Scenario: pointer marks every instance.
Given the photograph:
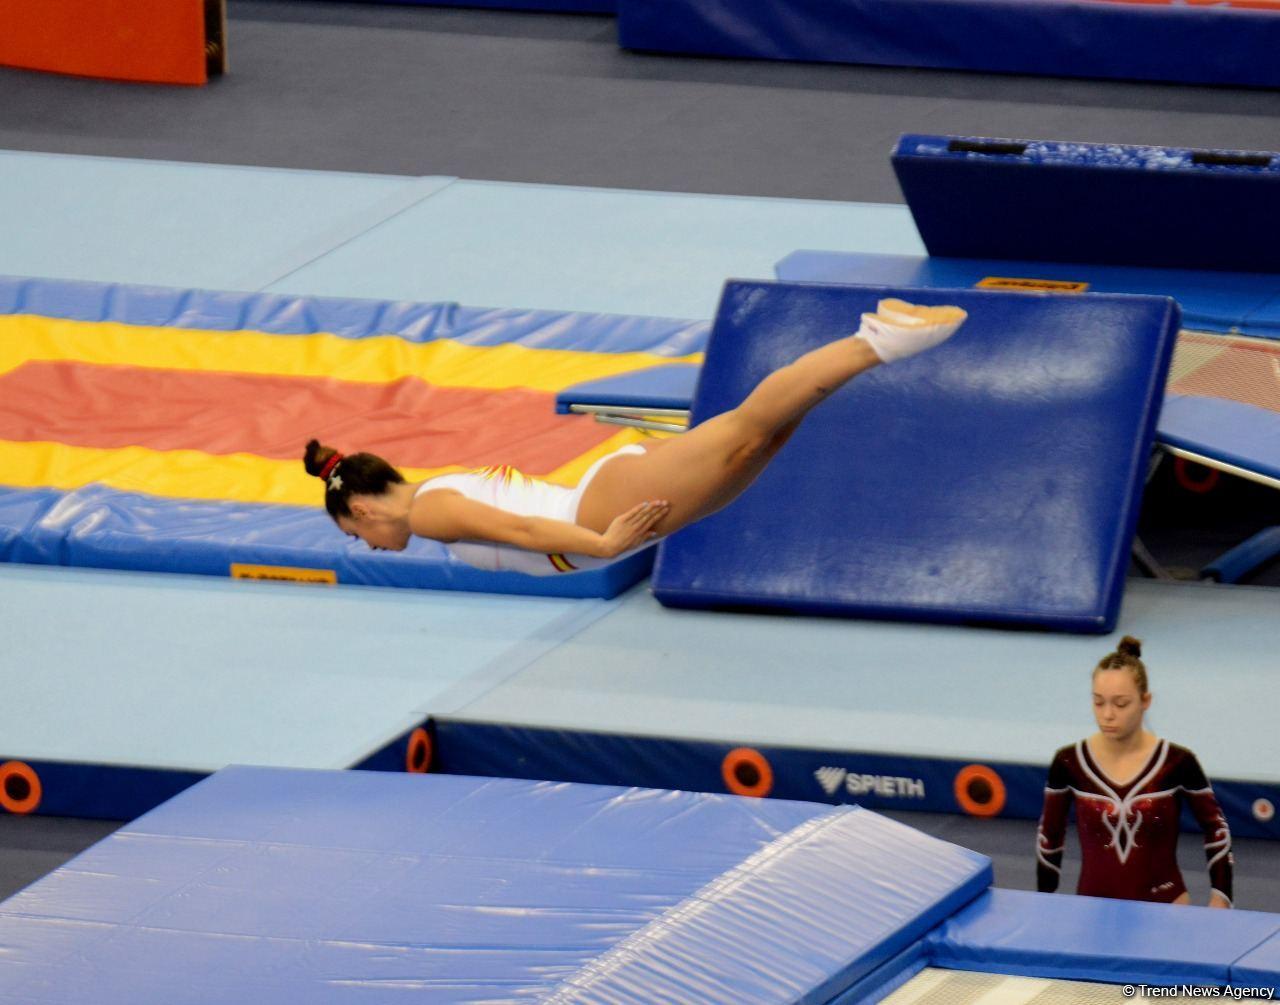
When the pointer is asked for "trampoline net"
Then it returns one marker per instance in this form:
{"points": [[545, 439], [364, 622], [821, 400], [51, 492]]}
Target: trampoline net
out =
{"points": [[962, 987], [1229, 367]]}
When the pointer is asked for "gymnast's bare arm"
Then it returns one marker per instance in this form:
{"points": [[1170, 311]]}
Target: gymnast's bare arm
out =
{"points": [[447, 516]]}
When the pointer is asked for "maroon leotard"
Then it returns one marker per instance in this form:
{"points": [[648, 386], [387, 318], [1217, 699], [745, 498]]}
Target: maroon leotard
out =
{"points": [[1129, 833]]}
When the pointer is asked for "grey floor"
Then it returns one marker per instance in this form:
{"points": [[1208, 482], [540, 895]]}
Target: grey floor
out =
{"points": [[522, 96], [550, 98]]}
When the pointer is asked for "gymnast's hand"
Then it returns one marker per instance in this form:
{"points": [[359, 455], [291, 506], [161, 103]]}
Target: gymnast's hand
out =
{"points": [[633, 528]]}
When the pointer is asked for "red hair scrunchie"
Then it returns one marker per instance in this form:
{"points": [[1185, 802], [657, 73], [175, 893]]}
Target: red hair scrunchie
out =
{"points": [[329, 465]]}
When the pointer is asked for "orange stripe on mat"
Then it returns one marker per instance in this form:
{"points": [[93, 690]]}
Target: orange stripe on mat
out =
{"points": [[411, 423]]}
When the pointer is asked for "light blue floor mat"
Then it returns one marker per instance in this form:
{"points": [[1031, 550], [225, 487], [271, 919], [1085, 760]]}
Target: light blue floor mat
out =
{"points": [[195, 672]]}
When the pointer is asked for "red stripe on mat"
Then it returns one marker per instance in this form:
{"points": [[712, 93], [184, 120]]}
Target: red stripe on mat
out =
{"points": [[409, 422]]}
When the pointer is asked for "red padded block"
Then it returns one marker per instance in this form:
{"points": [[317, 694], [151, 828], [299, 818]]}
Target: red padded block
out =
{"points": [[160, 41]]}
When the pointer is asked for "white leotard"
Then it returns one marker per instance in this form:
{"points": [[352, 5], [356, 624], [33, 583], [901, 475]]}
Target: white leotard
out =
{"points": [[508, 489]]}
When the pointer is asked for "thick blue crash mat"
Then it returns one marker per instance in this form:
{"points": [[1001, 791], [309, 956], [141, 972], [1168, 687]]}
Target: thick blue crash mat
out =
{"points": [[1163, 207], [269, 885], [1094, 939], [1246, 303], [162, 430], [995, 479]]}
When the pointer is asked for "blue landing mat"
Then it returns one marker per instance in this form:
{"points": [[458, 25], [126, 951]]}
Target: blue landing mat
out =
{"points": [[320, 887], [107, 526], [995, 479], [1093, 939]]}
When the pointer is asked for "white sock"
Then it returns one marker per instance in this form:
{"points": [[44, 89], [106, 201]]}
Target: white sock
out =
{"points": [[893, 335]]}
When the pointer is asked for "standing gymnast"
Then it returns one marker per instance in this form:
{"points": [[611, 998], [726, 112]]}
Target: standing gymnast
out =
{"points": [[499, 519], [1129, 787]]}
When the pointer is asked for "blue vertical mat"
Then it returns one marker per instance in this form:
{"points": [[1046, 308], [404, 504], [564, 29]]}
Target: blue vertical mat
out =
{"points": [[995, 479]]}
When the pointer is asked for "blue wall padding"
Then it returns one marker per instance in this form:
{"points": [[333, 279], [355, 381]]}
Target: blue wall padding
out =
{"points": [[1247, 436], [669, 386], [1090, 202], [270, 885], [995, 479], [103, 528], [1210, 301], [1260, 967], [467, 747], [285, 314], [102, 791], [877, 781], [1092, 939], [1126, 40], [106, 528]]}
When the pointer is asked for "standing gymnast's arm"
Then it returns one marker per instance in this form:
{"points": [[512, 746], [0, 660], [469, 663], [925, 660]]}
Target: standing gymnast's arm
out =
{"points": [[1217, 835], [1051, 833]]}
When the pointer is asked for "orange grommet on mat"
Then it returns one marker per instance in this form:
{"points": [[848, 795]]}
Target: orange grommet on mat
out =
{"points": [[746, 772], [979, 790], [417, 756], [20, 788], [157, 41]]}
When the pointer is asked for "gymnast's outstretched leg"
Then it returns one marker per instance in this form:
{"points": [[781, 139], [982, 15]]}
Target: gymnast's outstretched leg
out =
{"points": [[706, 468]]}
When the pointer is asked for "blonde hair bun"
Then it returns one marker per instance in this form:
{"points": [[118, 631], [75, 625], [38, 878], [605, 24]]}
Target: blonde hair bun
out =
{"points": [[1130, 646]]}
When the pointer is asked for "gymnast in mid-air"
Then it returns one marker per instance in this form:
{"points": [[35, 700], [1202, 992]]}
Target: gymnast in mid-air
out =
{"points": [[499, 519]]}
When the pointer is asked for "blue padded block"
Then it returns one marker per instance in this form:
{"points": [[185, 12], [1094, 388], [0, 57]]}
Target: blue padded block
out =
{"points": [[1260, 967], [1228, 431], [657, 387], [1061, 37], [995, 479], [1091, 202], [1210, 301], [1092, 939], [269, 885]]}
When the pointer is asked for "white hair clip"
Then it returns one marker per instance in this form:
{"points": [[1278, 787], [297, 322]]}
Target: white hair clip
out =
{"points": [[335, 482]]}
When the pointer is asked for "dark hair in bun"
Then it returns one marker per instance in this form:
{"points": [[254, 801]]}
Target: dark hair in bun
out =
{"points": [[347, 475], [1128, 656]]}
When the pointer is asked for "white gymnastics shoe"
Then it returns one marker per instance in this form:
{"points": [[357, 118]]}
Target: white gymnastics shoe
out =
{"points": [[898, 329]]}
